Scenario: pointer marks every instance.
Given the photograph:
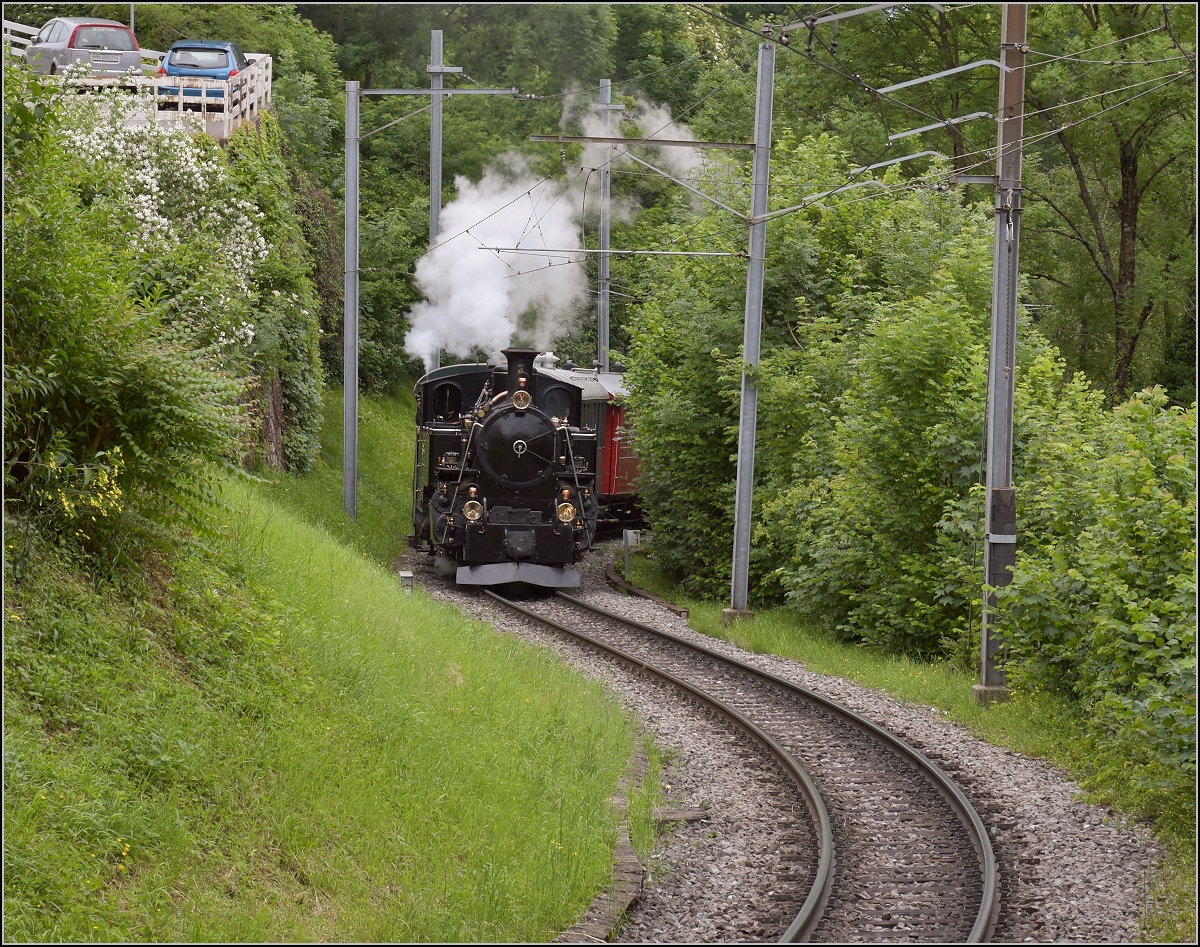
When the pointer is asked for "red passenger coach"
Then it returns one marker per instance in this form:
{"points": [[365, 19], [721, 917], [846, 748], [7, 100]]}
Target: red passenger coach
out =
{"points": [[616, 465]]}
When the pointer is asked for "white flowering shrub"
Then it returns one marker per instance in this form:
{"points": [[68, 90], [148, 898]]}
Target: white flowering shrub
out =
{"points": [[185, 211], [114, 419], [214, 244]]}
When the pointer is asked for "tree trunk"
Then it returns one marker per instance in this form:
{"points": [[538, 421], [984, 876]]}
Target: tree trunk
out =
{"points": [[273, 423], [1128, 325]]}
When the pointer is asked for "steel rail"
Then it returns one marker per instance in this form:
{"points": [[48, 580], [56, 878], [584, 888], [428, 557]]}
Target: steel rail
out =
{"points": [[989, 908], [810, 913]]}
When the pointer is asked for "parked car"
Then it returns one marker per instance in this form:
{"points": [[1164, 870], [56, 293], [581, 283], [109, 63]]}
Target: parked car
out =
{"points": [[109, 46], [203, 59]]}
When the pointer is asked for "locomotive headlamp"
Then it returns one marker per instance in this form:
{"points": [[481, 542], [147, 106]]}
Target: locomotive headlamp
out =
{"points": [[566, 512], [473, 510], [522, 400]]}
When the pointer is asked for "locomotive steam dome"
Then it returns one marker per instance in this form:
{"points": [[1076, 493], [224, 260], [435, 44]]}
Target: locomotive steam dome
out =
{"points": [[516, 448]]}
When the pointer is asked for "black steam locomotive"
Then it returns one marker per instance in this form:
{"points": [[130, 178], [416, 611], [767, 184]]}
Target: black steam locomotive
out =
{"points": [[518, 467]]}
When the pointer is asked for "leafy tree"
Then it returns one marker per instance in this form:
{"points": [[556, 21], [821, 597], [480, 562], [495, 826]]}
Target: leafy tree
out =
{"points": [[1112, 225], [1110, 172], [831, 271], [665, 46], [823, 78]]}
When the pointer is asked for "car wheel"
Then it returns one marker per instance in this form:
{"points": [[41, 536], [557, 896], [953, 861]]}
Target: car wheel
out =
{"points": [[53, 68]]}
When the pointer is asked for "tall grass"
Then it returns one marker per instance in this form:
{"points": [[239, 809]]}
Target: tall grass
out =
{"points": [[386, 440], [490, 761], [277, 743]]}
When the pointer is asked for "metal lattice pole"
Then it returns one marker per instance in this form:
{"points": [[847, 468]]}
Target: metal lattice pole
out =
{"points": [[435, 149], [350, 320], [752, 337], [1000, 530], [602, 305]]}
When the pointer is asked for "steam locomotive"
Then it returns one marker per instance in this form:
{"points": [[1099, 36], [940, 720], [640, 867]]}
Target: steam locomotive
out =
{"points": [[520, 467]]}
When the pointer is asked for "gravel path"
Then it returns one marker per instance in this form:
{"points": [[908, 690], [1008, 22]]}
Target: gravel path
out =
{"points": [[1070, 872]]}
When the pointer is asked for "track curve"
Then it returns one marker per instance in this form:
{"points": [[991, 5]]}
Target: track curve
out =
{"points": [[904, 833]]}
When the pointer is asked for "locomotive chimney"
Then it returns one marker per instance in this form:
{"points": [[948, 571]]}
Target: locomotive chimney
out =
{"points": [[520, 362]]}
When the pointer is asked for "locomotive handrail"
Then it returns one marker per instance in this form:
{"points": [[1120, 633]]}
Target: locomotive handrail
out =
{"points": [[454, 500], [578, 488]]}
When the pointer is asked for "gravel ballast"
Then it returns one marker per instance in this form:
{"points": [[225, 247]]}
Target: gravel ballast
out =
{"points": [[1069, 871]]}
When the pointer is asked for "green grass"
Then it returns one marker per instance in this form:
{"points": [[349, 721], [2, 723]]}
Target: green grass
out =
{"points": [[386, 440], [1039, 725], [644, 798], [283, 745], [490, 791]]}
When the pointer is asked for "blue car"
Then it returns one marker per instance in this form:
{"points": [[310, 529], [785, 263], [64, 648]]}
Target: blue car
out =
{"points": [[203, 59]]}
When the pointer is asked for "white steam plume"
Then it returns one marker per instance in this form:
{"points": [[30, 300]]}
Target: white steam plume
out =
{"points": [[476, 298], [652, 121], [656, 122]]}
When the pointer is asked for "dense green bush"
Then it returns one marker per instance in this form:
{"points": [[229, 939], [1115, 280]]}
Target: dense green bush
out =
{"points": [[864, 543], [868, 501], [286, 345], [159, 312], [1103, 600], [832, 272], [109, 414]]}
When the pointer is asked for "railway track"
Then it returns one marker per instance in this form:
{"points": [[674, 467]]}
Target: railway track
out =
{"points": [[900, 852]]}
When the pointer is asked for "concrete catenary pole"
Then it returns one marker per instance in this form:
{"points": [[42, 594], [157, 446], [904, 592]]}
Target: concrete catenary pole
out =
{"points": [[744, 497], [350, 318], [1000, 529], [603, 303]]}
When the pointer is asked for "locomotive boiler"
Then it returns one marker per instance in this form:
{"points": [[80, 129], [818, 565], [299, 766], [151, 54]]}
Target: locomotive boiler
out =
{"points": [[519, 467]]}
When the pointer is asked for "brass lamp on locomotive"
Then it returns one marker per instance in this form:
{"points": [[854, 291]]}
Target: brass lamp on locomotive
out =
{"points": [[505, 484]]}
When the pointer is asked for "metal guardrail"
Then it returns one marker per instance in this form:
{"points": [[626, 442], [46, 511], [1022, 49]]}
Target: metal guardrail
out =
{"points": [[224, 104]]}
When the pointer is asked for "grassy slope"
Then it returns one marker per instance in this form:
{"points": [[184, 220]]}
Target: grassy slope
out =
{"points": [[275, 742], [1036, 724], [385, 463]]}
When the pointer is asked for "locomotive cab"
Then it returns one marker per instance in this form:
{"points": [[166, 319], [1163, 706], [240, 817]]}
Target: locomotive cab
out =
{"points": [[504, 483]]}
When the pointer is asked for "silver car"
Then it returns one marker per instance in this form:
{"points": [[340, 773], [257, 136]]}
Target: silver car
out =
{"points": [[110, 47]]}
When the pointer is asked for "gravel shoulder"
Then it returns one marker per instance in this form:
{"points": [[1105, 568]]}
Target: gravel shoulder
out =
{"points": [[1070, 872]]}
